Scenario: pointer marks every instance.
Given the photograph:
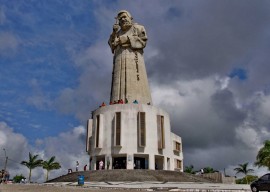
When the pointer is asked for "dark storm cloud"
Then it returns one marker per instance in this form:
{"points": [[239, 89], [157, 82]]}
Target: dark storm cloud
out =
{"points": [[193, 46], [214, 124], [207, 37], [224, 105], [218, 157], [199, 39]]}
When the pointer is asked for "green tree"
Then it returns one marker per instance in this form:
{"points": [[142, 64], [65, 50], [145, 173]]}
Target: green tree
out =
{"points": [[243, 168], [209, 170], [32, 163], [50, 165], [248, 178], [189, 169], [263, 156], [18, 178]]}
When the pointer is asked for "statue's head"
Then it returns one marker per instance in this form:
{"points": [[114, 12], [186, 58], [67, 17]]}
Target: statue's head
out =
{"points": [[125, 19]]}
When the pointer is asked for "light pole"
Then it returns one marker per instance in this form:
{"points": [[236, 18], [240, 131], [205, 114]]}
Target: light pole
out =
{"points": [[6, 160]]}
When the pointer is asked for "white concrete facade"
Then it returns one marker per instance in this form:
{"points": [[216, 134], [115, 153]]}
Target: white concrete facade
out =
{"points": [[101, 138]]}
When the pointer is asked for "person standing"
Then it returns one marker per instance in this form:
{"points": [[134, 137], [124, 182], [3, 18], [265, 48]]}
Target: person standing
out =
{"points": [[77, 166], [101, 165], [202, 171]]}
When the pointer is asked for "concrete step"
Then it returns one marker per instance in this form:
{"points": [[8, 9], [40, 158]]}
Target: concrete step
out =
{"points": [[131, 175]]}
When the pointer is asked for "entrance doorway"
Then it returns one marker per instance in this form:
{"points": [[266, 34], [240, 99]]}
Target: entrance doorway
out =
{"points": [[99, 161], [140, 163], [119, 163], [159, 162]]}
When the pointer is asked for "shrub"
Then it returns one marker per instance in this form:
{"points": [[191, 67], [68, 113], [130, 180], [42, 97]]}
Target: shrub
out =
{"points": [[248, 178], [18, 178]]}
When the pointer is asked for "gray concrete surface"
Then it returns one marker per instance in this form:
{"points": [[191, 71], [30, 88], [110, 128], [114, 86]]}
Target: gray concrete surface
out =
{"points": [[159, 186]]}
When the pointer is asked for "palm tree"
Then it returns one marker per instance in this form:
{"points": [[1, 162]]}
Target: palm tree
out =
{"points": [[209, 170], [243, 168], [32, 163], [50, 165], [263, 156]]}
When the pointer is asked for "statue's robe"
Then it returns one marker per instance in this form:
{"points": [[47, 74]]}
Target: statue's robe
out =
{"points": [[129, 79]]}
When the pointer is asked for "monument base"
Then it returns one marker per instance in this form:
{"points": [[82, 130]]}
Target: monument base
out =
{"points": [[133, 136]]}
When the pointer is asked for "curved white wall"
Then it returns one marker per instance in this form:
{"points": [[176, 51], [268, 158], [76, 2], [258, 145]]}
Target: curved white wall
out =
{"points": [[129, 135]]}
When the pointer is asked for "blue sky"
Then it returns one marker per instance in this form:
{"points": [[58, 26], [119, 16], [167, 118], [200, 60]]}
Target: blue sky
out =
{"points": [[207, 64], [38, 66]]}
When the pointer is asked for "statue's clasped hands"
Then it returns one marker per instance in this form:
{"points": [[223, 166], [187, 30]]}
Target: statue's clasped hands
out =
{"points": [[119, 40], [123, 40]]}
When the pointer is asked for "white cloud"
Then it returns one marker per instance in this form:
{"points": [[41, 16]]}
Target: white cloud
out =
{"points": [[70, 148], [97, 57], [249, 136], [205, 114], [16, 147], [185, 96], [265, 105], [67, 147], [96, 65], [224, 82], [257, 171], [189, 52], [3, 138]]}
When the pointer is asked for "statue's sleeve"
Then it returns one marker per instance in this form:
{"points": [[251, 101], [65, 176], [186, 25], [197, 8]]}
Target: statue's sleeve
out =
{"points": [[111, 42], [139, 38]]}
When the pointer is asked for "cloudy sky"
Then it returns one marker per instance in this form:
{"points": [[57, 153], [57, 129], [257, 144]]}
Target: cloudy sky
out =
{"points": [[207, 63]]}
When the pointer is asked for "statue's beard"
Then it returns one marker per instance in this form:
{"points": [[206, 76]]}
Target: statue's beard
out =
{"points": [[126, 25]]}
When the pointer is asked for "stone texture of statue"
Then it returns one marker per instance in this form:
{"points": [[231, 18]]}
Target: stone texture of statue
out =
{"points": [[129, 79]]}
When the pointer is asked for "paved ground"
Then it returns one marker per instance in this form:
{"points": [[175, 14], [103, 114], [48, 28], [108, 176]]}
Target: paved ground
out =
{"points": [[125, 186], [42, 188]]}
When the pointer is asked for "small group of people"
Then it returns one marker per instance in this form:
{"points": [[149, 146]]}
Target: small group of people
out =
{"points": [[4, 176], [119, 165], [77, 167], [202, 171], [120, 101], [23, 181]]}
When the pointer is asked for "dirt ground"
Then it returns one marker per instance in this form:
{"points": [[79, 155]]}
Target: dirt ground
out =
{"points": [[41, 188]]}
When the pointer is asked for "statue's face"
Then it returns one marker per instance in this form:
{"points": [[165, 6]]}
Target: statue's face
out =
{"points": [[124, 21]]}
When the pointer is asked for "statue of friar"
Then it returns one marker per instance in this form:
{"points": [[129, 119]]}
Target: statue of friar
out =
{"points": [[129, 80]]}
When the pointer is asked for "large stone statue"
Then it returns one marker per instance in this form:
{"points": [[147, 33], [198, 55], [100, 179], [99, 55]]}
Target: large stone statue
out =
{"points": [[129, 79], [136, 135]]}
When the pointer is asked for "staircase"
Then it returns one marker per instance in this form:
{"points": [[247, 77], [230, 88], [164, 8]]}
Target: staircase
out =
{"points": [[131, 175]]}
